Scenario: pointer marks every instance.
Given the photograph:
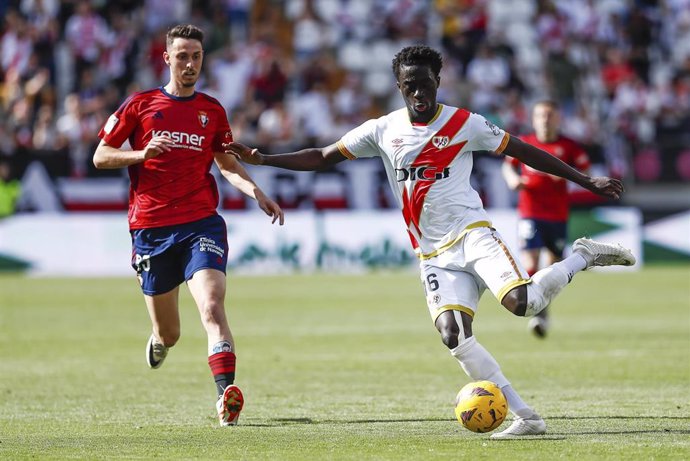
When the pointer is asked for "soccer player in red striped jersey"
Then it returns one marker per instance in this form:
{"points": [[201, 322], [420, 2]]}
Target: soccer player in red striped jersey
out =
{"points": [[176, 134], [543, 203], [426, 149]]}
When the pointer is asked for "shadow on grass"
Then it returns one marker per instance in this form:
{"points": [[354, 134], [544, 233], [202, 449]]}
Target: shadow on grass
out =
{"points": [[273, 422]]}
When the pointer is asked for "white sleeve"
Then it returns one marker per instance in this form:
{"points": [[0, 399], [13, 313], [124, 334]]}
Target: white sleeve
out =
{"points": [[361, 141], [484, 135]]}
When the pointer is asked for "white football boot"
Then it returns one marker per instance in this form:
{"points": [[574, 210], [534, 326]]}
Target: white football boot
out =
{"points": [[539, 325], [603, 254], [535, 425], [155, 352]]}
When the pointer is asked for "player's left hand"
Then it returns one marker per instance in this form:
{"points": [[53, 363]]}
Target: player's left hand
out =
{"points": [[608, 187], [270, 207]]}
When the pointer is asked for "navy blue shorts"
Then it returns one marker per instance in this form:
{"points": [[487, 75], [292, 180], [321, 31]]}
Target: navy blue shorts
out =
{"points": [[164, 257], [538, 233]]}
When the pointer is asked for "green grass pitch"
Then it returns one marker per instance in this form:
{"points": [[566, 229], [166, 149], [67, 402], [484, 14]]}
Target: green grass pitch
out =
{"points": [[341, 367]]}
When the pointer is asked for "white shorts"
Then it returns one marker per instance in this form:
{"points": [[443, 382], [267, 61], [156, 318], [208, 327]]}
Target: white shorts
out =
{"points": [[456, 278]]}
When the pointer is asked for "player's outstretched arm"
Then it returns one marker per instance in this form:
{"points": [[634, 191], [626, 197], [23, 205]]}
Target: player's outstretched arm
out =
{"points": [[303, 160], [542, 161], [235, 174], [109, 157]]}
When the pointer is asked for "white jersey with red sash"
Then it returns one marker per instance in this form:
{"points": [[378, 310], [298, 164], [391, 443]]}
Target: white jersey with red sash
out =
{"points": [[428, 167]]}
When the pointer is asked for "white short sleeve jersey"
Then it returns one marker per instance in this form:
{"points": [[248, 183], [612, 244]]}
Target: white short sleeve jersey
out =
{"points": [[428, 168]]}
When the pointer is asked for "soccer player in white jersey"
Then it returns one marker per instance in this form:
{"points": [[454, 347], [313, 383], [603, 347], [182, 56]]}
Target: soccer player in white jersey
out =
{"points": [[426, 148]]}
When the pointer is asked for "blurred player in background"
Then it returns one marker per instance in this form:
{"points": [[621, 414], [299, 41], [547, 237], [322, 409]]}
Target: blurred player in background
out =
{"points": [[176, 133], [543, 203], [427, 149]]}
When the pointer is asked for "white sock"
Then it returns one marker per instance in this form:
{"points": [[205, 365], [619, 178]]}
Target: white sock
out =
{"points": [[478, 363], [548, 282], [515, 404], [573, 263]]}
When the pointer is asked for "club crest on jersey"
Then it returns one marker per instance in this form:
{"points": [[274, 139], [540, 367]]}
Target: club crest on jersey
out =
{"points": [[440, 141], [203, 119]]}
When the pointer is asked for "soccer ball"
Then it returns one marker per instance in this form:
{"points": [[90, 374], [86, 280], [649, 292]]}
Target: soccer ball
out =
{"points": [[481, 406]]}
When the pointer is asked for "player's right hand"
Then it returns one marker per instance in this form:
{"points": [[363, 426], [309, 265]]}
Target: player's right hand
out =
{"points": [[244, 153], [156, 146]]}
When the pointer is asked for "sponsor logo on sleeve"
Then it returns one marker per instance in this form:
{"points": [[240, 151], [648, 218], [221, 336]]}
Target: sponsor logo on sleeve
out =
{"points": [[110, 124], [494, 129]]}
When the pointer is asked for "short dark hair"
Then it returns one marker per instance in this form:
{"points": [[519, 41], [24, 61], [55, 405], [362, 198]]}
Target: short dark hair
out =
{"points": [[552, 103], [183, 31], [418, 55]]}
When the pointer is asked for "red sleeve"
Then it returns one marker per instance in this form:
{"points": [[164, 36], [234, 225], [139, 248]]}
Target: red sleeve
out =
{"points": [[580, 159], [223, 133], [119, 125]]}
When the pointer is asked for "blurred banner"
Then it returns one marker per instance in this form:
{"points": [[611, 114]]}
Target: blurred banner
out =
{"points": [[98, 244]]}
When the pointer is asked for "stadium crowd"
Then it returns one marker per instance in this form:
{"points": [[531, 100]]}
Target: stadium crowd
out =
{"points": [[302, 72]]}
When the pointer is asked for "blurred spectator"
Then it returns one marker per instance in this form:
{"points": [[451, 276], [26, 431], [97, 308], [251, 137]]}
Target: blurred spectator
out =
{"points": [[514, 115], [615, 70], [311, 33], [149, 62], [238, 13], [45, 134], [232, 67], [120, 58], [561, 78], [87, 35], [9, 189], [44, 29], [161, 14], [489, 75], [79, 126], [20, 123], [269, 82], [314, 115], [551, 27], [15, 45], [404, 19], [321, 68], [639, 30], [276, 129], [351, 100]]}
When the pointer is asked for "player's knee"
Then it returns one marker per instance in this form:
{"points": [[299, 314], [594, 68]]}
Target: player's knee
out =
{"points": [[450, 334], [516, 300], [212, 312]]}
